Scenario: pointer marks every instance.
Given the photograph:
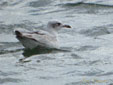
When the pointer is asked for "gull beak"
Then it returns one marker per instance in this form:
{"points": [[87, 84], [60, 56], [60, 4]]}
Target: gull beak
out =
{"points": [[66, 26]]}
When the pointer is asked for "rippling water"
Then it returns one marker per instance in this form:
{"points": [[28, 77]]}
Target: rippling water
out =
{"points": [[87, 58]]}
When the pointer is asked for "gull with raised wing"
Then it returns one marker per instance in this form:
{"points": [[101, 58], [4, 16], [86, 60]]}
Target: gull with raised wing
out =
{"points": [[46, 39]]}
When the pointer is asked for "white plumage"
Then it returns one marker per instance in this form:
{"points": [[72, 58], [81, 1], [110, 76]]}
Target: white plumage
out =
{"points": [[47, 39]]}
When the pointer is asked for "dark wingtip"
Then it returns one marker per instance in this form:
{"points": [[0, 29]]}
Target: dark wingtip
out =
{"points": [[18, 33]]}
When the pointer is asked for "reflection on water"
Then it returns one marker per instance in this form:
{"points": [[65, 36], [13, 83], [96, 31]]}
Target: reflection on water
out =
{"points": [[38, 50], [42, 50]]}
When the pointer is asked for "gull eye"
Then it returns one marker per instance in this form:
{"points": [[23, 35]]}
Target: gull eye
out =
{"points": [[58, 24]]}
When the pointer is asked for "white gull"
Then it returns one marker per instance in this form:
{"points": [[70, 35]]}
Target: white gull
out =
{"points": [[46, 39]]}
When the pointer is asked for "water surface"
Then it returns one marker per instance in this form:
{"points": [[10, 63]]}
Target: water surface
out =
{"points": [[89, 59]]}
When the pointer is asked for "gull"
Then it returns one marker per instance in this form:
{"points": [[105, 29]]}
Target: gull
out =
{"points": [[41, 38]]}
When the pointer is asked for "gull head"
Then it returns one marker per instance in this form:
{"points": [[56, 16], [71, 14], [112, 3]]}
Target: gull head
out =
{"points": [[56, 25]]}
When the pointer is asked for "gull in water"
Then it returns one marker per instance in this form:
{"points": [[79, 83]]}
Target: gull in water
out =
{"points": [[46, 39]]}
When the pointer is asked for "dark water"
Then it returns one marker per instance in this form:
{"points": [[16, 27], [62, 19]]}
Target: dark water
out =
{"points": [[87, 55]]}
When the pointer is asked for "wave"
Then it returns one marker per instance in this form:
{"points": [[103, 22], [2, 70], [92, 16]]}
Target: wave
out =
{"points": [[88, 3]]}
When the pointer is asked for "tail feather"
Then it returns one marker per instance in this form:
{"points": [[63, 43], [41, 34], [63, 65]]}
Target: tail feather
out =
{"points": [[18, 34]]}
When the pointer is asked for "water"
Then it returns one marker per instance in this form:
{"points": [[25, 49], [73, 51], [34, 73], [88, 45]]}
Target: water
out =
{"points": [[88, 59]]}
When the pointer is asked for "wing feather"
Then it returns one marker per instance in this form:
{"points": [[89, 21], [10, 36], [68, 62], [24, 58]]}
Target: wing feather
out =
{"points": [[42, 38]]}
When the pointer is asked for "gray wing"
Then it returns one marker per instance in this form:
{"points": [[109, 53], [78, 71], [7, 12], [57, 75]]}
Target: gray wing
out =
{"points": [[41, 38]]}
